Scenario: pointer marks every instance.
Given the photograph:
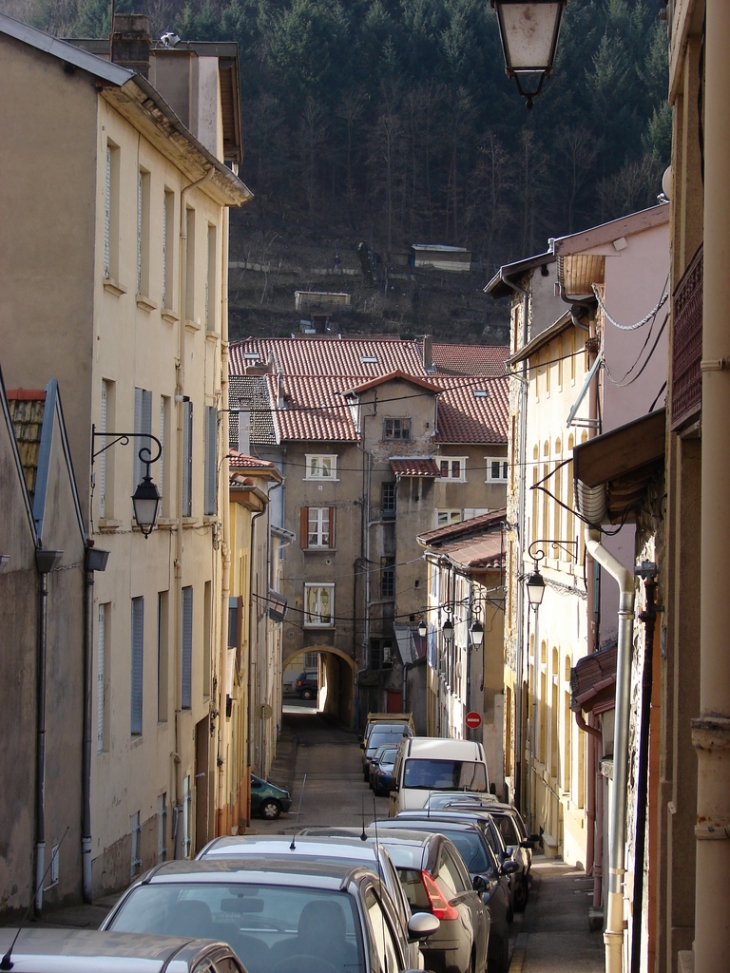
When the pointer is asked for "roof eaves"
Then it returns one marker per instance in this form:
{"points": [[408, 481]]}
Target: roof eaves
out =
{"points": [[497, 286], [608, 232], [564, 322]]}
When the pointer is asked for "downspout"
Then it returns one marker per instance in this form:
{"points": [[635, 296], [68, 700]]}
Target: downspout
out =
{"points": [[86, 756], [593, 507], [177, 756], [40, 781], [520, 796], [255, 676]]}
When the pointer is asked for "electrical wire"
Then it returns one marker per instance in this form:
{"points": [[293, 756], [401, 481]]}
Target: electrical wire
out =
{"points": [[621, 383], [639, 324]]}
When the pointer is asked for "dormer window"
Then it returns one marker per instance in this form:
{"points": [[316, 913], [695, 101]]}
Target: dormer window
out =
{"points": [[396, 429]]}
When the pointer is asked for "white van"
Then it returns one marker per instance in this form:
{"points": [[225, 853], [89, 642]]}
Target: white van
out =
{"points": [[427, 765]]}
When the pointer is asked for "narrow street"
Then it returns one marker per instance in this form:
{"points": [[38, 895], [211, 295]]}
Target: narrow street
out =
{"points": [[322, 763]]}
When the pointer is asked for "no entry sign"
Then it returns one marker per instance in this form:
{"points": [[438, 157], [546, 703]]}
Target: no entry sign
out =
{"points": [[473, 720]]}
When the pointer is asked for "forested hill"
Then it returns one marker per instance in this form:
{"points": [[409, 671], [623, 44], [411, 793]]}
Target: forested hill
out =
{"points": [[392, 121]]}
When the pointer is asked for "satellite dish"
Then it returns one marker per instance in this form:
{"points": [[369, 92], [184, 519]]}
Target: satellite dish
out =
{"points": [[667, 182]]}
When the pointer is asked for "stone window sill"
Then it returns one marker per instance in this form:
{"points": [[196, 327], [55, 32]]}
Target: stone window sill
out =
{"points": [[114, 287]]}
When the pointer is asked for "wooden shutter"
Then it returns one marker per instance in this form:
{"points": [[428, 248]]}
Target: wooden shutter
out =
{"points": [[187, 648], [137, 664], [304, 526]]}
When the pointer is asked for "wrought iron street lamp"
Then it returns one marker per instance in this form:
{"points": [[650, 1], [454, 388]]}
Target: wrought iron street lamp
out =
{"points": [[146, 499], [529, 32], [535, 588], [447, 630], [422, 629], [476, 631]]}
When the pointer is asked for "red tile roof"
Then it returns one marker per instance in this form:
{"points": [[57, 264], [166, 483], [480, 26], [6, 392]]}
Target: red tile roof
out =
{"points": [[474, 525], [415, 466], [391, 376], [329, 356], [469, 359], [315, 408], [482, 553], [465, 416], [240, 461]]}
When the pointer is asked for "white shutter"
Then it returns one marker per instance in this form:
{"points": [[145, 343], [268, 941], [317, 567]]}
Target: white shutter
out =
{"points": [[100, 678], [187, 648], [137, 664], [142, 424], [187, 460], [102, 456], [107, 210], [161, 464], [139, 232], [164, 250]]}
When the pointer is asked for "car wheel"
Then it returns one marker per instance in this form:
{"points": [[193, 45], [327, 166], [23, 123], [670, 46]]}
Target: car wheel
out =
{"points": [[307, 694], [270, 809], [499, 960], [521, 895]]}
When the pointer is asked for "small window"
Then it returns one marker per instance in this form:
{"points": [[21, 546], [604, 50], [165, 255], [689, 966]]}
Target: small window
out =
{"points": [[396, 429], [452, 469], [321, 466], [387, 577], [387, 499], [317, 526], [497, 468], [446, 517], [318, 605]]}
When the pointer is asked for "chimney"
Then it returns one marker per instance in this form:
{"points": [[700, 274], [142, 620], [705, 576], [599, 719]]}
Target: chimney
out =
{"points": [[427, 352], [131, 42], [244, 427]]}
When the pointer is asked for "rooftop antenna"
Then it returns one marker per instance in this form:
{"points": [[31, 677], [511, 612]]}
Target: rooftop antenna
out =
{"points": [[363, 836], [293, 845]]}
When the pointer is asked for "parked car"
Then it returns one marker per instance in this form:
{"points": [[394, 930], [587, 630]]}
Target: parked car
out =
{"points": [[348, 850], [435, 880], [428, 764], [307, 685], [488, 876], [382, 779], [268, 800], [279, 916], [519, 843], [482, 817], [382, 733], [405, 719], [91, 951]]}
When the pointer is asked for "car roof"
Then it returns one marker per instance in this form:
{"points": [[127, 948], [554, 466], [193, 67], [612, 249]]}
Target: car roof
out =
{"points": [[286, 847], [72, 949], [409, 817], [273, 871]]}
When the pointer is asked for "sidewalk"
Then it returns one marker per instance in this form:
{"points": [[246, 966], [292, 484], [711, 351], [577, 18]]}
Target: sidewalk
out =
{"points": [[555, 936]]}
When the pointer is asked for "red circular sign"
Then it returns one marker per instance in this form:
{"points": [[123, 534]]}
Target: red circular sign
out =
{"points": [[473, 720]]}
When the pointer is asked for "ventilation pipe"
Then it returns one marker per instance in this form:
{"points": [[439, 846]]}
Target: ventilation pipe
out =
{"points": [[592, 505]]}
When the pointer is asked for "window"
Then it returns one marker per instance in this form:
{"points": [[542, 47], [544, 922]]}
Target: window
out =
{"points": [[186, 648], [142, 424], [136, 829], [321, 466], [162, 657], [452, 469], [446, 517], [387, 577], [102, 679], [396, 428], [387, 499], [162, 828], [137, 665], [190, 265], [207, 636], [318, 527], [470, 512], [383, 935], [497, 469], [143, 232], [111, 213], [187, 460], [168, 244], [211, 460], [210, 281], [318, 605]]}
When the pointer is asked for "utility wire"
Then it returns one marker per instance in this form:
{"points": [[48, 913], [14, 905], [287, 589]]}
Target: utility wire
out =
{"points": [[644, 320]]}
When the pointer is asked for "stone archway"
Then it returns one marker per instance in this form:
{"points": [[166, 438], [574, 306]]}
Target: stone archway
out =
{"points": [[321, 648], [339, 700]]}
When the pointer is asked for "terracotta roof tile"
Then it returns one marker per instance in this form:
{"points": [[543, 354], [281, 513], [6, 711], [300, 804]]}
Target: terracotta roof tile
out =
{"points": [[393, 376], [26, 411], [466, 415], [362, 357], [484, 553], [315, 409], [469, 359], [414, 466], [593, 681], [240, 461], [484, 523]]}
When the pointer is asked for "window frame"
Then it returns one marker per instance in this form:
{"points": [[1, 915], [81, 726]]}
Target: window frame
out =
{"points": [[310, 469], [401, 424], [503, 466], [448, 512], [324, 534], [450, 461], [329, 619]]}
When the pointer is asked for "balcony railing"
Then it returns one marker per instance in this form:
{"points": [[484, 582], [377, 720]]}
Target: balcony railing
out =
{"points": [[687, 345]]}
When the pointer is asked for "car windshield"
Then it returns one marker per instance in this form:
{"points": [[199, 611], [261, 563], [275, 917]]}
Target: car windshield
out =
{"points": [[273, 929], [445, 775], [384, 734]]}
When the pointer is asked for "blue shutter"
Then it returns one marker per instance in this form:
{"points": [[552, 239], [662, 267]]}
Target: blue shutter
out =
{"points": [[187, 648], [211, 456], [137, 664]]}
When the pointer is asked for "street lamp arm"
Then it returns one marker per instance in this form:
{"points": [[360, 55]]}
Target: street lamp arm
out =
{"points": [[536, 550], [124, 437]]}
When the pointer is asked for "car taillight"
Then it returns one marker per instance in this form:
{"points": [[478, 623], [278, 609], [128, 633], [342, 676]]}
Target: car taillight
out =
{"points": [[439, 905]]}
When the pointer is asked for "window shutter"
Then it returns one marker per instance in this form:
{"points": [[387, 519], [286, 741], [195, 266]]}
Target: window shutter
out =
{"points": [[139, 232], [211, 436], [100, 663], [102, 456], [187, 460], [107, 211], [164, 249], [304, 526], [187, 648], [161, 464], [332, 526], [137, 664]]}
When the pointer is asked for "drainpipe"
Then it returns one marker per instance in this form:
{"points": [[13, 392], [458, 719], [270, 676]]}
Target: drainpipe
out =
{"points": [[711, 727], [593, 507], [86, 754]]}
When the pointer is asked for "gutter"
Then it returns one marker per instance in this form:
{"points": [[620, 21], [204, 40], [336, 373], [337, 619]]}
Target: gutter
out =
{"points": [[592, 504]]}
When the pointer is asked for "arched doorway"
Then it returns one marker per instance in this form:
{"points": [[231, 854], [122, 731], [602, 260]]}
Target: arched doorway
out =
{"points": [[337, 673]]}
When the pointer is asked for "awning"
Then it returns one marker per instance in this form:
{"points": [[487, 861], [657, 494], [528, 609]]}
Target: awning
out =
{"points": [[411, 647], [415, 466], [593, 681], [277, 606]]}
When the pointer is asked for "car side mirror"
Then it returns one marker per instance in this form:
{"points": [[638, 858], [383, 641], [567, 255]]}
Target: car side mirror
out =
{"points": [[362, 746], [509, 867], [421, 926], [480, 883], [535, 839], [529, 843]]}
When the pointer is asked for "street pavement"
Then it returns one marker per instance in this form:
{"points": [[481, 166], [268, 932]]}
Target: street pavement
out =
{"points": [[320, 762]]}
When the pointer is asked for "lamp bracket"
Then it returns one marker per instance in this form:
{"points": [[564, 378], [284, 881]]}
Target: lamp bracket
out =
{"points": [[145, 452], [529, 95], [537, 552]]}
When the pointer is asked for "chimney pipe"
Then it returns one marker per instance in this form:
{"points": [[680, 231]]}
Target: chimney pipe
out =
{"points": [[131, 42]]}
